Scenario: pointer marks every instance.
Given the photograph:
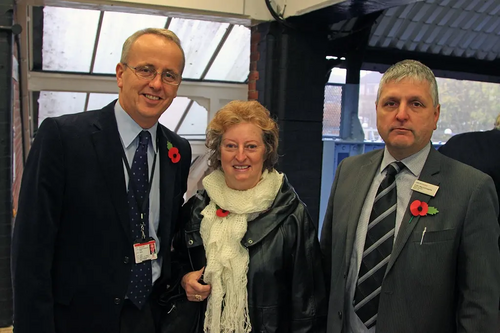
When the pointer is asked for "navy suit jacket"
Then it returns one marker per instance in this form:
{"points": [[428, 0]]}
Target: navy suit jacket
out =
{"points": [[72, 245], [480, 150]]}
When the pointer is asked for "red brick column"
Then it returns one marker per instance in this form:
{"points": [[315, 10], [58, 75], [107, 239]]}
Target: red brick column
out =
{"points": [[253, 94], [17, 145]]}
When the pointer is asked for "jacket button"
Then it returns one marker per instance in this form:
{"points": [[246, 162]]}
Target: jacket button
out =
{"points": [[125, 260], [340, 314], [250, 241], [190, 242], [117, 300]]}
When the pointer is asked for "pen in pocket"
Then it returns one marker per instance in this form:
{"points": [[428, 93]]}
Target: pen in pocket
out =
{"points": [[423, 234]]}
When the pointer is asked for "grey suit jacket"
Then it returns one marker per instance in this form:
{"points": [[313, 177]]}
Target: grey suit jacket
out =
{"points": [[449, 283]]}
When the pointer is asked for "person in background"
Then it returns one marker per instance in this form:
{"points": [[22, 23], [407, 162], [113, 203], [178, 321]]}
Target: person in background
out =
{"points": [[410, 236], [256, 247], [99, 189], [480, 150]]}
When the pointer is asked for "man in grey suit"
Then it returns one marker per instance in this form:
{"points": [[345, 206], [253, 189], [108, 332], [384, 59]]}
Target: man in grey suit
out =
{"points": [[410, 237]]}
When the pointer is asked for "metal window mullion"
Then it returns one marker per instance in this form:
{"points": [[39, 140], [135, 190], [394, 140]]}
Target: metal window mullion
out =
{"points": [[94, 54], [188, 108]]}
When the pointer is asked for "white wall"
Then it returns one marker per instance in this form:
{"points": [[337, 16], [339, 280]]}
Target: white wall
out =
{"points": [[300, 7], [242, 11]]}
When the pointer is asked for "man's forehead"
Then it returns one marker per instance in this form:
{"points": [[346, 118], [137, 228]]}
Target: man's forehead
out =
{"points": [[408, 80], [401, 86], [149, 49]]}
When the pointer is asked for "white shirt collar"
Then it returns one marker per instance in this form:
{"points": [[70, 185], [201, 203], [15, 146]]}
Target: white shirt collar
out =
{"points": [[129, 129], [413, 163]]}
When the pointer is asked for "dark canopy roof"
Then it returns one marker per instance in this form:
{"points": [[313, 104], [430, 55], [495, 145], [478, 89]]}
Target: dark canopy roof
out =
{"points": [[456, 38]]}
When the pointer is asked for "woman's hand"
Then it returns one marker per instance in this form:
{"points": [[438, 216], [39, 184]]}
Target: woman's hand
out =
{"points": [[195, 291]]}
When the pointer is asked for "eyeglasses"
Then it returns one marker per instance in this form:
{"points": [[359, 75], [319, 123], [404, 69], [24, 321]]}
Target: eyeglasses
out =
{"points": [[149, 73]]}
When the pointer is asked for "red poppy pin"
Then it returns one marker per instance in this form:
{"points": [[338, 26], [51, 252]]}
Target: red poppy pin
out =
{"points": [[420, 208], [173, 153], [221, 212]]}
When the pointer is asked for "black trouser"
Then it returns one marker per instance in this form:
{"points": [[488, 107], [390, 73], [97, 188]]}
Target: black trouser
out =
{"points": [[135, 320]]}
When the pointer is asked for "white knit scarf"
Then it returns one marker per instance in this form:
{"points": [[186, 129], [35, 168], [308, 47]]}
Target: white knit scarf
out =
{"points": [[227, 259]]}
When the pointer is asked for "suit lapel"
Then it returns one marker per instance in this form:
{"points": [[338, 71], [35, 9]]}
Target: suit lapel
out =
{"points": [[429, 174], [169, 186], [108, 147], [361, 188]]}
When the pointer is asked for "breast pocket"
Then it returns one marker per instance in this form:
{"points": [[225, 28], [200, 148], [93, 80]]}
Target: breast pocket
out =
{"points": [[430, 237], [433, 256]]}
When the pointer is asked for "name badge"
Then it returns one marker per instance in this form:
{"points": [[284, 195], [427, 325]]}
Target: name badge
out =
{"points": [[145, 251], [425, 188]]}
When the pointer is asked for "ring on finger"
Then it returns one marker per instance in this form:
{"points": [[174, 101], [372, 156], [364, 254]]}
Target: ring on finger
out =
{"points": [[198, 298]]}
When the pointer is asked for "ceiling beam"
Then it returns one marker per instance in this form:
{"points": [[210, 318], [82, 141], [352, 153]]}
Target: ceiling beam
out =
{"points": [[192, 9], [45, 81]]}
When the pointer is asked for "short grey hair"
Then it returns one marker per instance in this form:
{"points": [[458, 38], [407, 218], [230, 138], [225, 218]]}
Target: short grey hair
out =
{"points": [[170, 35], [411, 69]]}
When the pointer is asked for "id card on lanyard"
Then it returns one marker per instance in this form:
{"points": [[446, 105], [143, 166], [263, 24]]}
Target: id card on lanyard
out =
{"points": [[145, 251]]}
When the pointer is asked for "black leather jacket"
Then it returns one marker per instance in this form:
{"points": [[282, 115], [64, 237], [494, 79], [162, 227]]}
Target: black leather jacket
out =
{"points": [[286, 288]]}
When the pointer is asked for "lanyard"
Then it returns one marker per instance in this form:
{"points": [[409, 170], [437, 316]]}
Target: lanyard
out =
{"points": [[140, 205]]}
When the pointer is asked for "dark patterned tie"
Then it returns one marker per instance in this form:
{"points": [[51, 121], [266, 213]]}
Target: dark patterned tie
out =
{"points": [[378, 248], [141, 275]]}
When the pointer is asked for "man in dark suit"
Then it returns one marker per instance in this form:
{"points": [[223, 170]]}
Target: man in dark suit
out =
{"points": [[480, 150], [98, 189], [410, 236]]}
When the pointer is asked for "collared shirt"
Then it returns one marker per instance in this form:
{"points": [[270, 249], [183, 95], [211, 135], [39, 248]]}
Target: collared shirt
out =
{"points": [[404, 181], [129, 130]]}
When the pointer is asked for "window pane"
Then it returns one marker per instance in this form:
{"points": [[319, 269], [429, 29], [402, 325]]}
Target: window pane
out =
{"points": [[466, 106], [337, 75], [331, 110], [170, 118], [98, 101], [116, 28], [199, 40], [65, 47], [367, 96], [195, 121], [53, 104], [233, 60]]}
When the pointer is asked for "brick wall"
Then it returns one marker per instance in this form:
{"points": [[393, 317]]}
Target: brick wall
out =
{"points": [[17, 144], [253, 94], [17, 150]]}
